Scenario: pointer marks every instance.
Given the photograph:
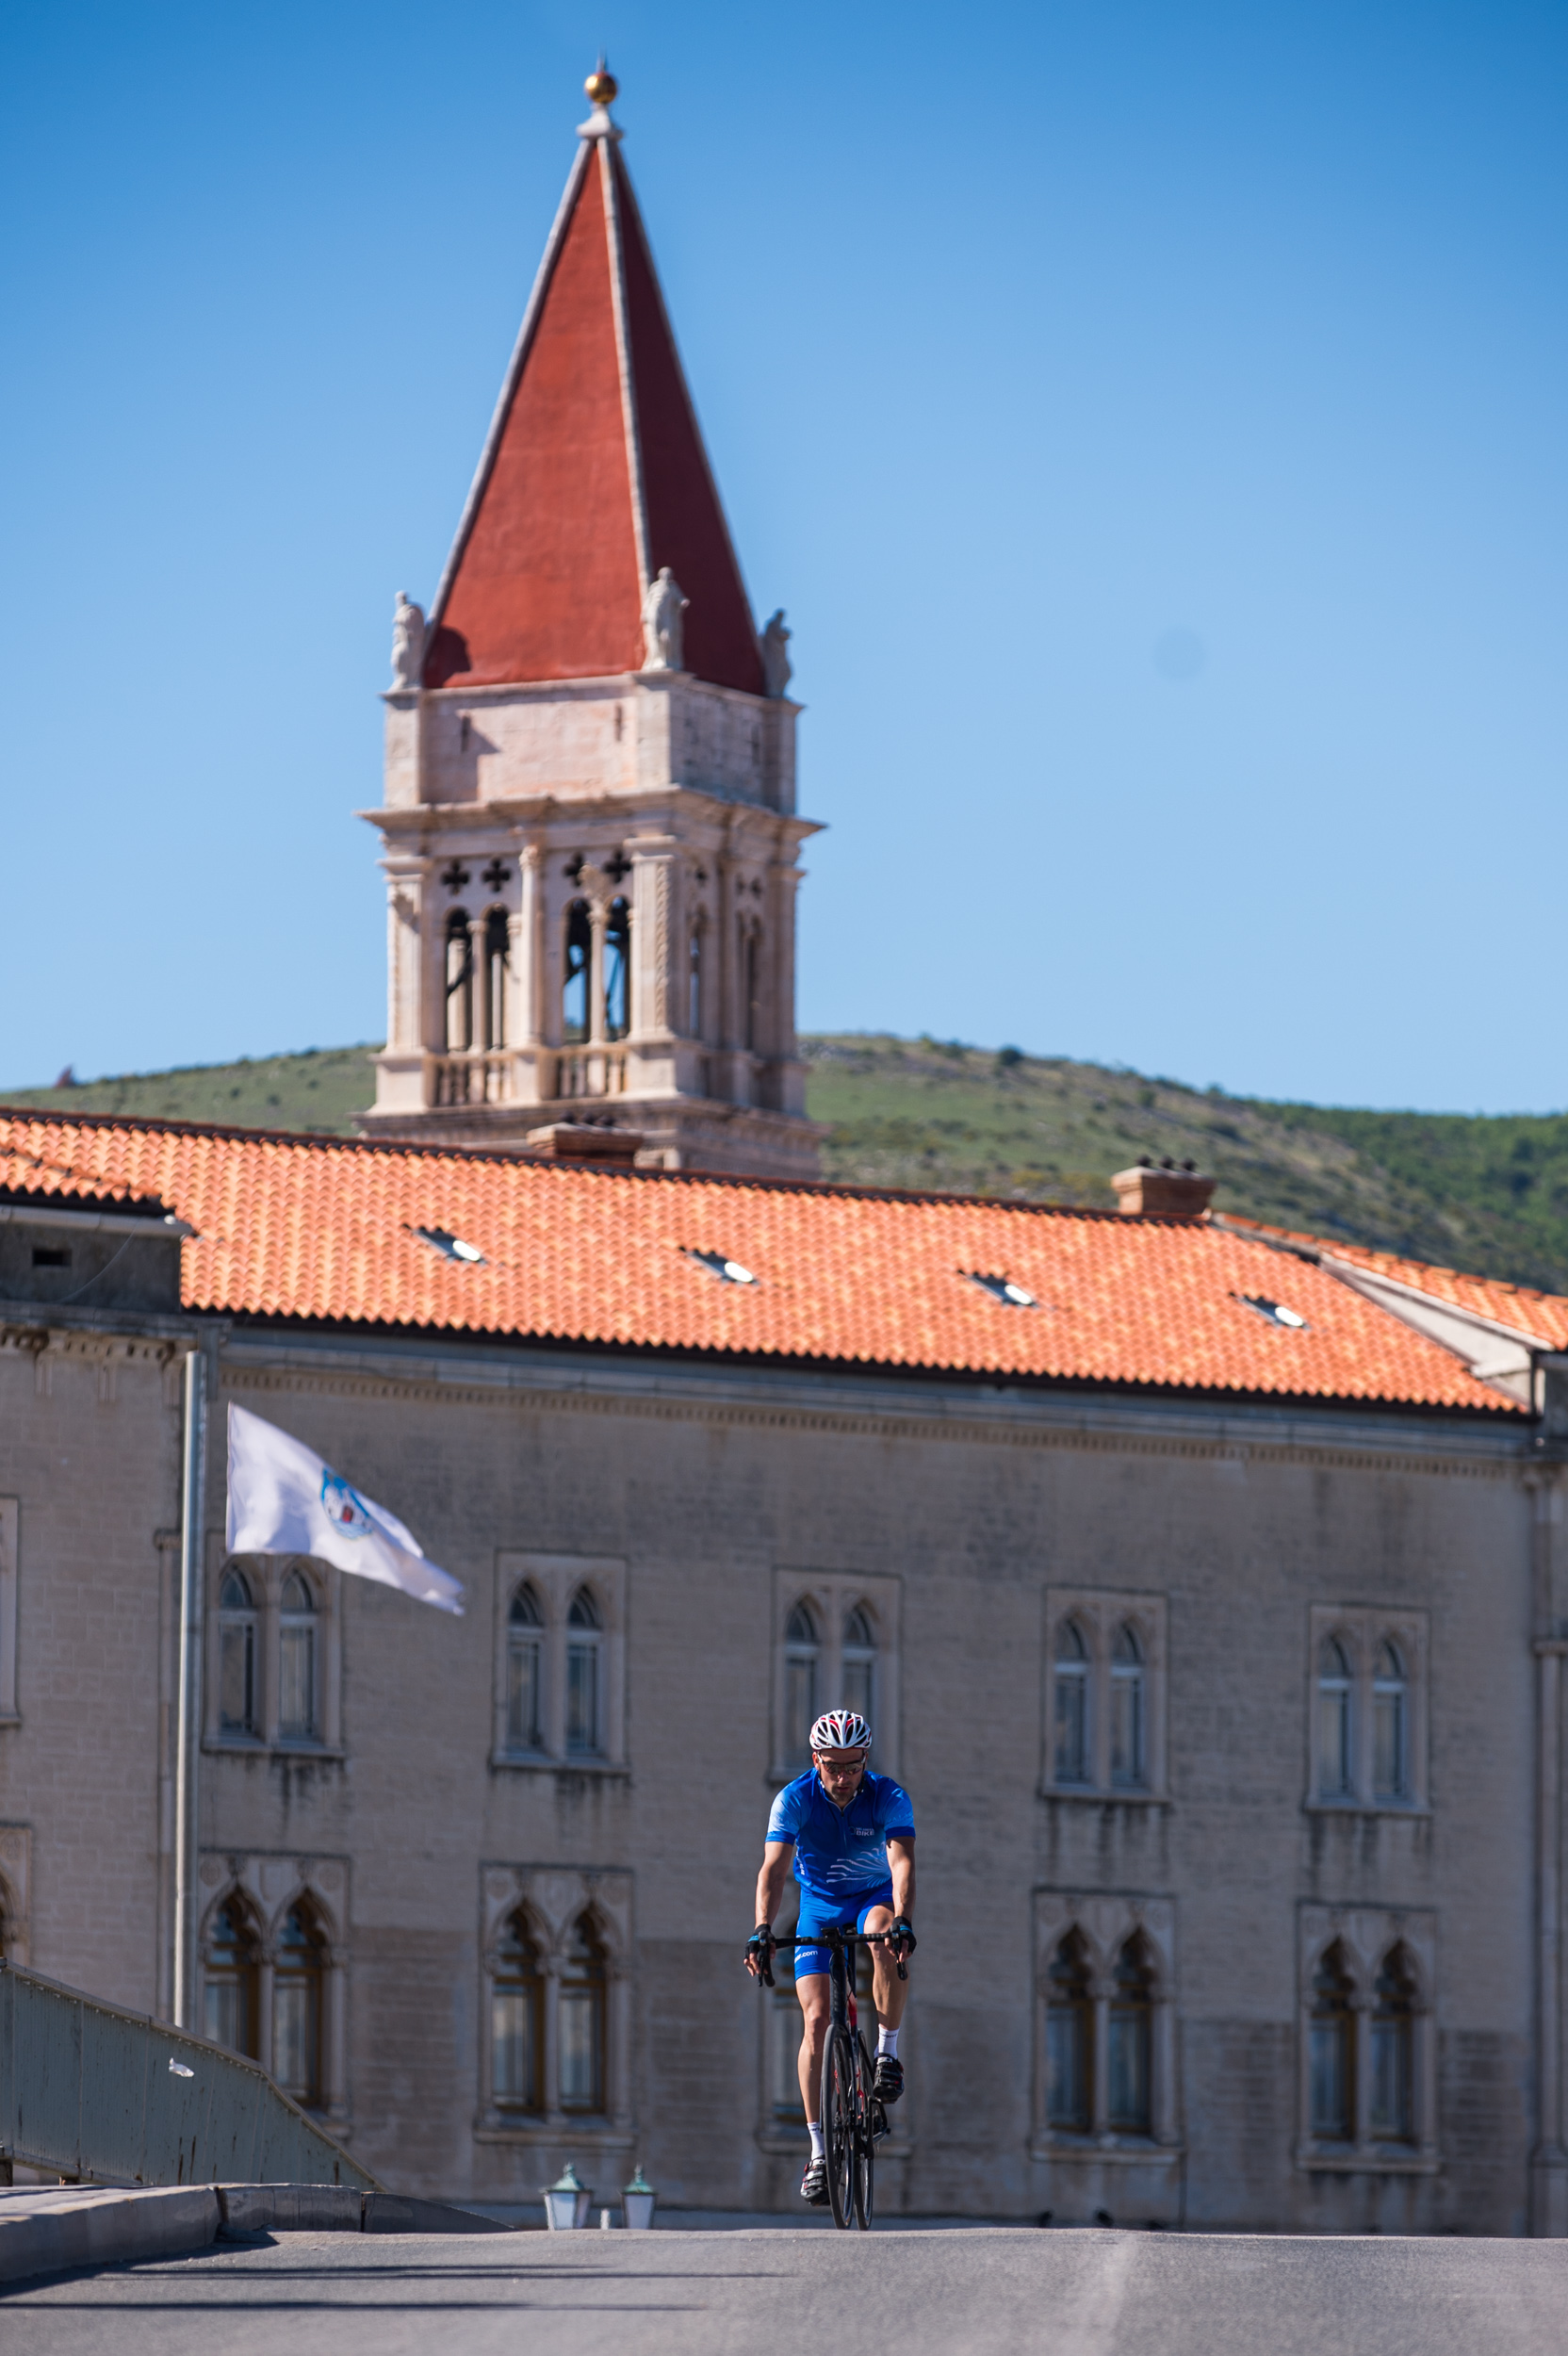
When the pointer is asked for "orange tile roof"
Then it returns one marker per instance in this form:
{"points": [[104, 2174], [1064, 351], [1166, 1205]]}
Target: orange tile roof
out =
{"points": [[319, 1229], [1542, 1317]]}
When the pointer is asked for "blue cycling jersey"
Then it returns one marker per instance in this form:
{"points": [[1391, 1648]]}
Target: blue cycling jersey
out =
{"points": [[840, 1851]]}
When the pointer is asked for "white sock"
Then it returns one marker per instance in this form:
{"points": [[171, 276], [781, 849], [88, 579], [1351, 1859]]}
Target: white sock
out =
{"points": [[887, 2042], [819, 2149]]}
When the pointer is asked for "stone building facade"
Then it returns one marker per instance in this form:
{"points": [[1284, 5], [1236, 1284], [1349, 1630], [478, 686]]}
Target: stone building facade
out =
{"points": [[1232, 1716]]}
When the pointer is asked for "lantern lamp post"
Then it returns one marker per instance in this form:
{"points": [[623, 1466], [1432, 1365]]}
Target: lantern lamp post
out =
{"points": [[637, 2200], [567, 2201]]}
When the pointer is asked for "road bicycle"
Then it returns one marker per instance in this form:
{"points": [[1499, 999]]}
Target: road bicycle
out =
{"points": [[852, 2120]]}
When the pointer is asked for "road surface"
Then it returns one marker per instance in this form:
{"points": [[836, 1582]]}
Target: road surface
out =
{"points": [[1054, 2293]]}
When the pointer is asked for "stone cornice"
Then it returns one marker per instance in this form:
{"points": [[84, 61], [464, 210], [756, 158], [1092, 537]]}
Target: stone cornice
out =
{"points": [[31, 1326], [872, 1408], [539, 809]]}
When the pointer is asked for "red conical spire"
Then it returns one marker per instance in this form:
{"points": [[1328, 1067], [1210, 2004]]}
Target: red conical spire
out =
{"points": [[593, 475]]}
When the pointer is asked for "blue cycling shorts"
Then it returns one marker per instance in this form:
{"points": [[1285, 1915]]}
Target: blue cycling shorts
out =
{"points": [[821, 1914]]}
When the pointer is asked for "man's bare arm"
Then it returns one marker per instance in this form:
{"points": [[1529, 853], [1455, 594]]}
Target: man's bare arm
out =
{"points": [[901, 1859], [770, 1886]]}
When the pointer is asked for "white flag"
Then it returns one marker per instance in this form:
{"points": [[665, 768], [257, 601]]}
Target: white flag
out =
{"points": [[283, 1499]]}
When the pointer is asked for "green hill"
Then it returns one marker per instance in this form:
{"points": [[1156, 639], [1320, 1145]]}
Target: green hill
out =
{"points": [[1486, 1193]]}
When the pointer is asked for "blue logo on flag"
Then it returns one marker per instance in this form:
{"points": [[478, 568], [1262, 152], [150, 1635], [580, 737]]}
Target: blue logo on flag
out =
{"points": [[341, 1507]]}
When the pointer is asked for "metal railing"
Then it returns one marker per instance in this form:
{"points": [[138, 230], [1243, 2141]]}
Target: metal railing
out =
{"points": [[110, 2097]]}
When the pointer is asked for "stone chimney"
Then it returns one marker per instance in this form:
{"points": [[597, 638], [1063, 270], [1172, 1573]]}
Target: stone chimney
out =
{"points": [[1165, 1189]]}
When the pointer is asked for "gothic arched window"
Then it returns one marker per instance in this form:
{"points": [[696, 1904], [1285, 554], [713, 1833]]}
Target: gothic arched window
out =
{"points": [[1070, 2038], [575, 975], [1130, 2040], [236, 1656], [1129, 1739], [460, 982], [751, 970], [617, 970], [859, 1680], [1393, 2087], [1332, 2050], [1390, 1724], [693, 983], [518, 2019], [1071, 1704], [297, 1971], [297, 1661], [498, 951], [802, 1664], [230, 1976], [584, 1676], [525, 1661], [1335, 1696], [580, 2018]]}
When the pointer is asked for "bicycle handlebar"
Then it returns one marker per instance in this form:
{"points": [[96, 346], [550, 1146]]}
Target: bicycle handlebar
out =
{"points": [[832, 1935]]}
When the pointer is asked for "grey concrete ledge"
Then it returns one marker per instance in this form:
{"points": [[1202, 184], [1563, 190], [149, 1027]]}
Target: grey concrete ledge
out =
{"points": [[77, 2225], [55, 2229], [340, 2209]]}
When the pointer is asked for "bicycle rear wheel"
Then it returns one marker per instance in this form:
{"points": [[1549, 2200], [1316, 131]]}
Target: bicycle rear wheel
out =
{"points": [[865, 2144], [839, 2126]]}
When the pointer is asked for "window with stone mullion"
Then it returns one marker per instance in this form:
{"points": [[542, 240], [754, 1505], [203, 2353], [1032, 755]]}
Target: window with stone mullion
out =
{"points": [[584, 1678], [580, 2020], [518, 2021], [525, 1672], [802, 1682], [1071, 1731], [297, 1661], [236, 1657], [1069, 2040], [1331, 2050]]}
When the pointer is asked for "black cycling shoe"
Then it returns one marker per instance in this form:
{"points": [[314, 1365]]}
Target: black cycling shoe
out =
{"points": [[888, 2085], [813, 2184]]}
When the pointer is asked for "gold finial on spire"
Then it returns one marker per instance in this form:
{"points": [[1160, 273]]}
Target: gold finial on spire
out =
{"points": [[602, 86]]}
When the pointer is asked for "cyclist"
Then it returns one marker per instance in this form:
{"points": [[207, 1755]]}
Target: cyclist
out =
{"points": [[853, 1834]]}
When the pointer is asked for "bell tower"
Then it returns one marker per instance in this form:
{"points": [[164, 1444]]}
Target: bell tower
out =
{"points": [[589, 814]]}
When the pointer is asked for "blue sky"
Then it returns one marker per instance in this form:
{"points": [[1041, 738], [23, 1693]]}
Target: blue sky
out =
{"points": [[1150, 417]]}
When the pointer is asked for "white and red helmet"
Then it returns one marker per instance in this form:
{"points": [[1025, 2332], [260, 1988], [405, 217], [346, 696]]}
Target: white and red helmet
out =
{"points": [[841, 1731]]}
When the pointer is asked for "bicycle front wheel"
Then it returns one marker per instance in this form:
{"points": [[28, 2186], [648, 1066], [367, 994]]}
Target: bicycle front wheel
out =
{"points": [[840, 2124], [865, 2145]]}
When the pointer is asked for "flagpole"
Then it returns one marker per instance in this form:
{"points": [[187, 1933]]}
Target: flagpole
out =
{"points": [[189, 1730]]}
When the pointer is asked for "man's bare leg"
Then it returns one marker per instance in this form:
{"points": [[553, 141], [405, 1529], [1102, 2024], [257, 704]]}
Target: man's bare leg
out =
{"points": [[890, 1994], [814, 1989]]}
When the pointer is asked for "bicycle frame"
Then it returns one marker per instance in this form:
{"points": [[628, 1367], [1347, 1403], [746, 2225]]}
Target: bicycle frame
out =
{"points": [[852, 2118]]}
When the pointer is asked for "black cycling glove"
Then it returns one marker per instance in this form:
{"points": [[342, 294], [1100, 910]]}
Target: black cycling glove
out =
{"points": [[900, 1937]]}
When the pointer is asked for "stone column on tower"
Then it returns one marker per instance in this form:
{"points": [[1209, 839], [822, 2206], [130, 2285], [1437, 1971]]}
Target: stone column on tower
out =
{"points": [[537, 734]]}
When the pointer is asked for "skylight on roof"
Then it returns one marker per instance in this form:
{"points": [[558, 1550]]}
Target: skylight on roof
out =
{"points": [[728, 1271], [1275, 1311], [450, 1246], [1004, 1289]]}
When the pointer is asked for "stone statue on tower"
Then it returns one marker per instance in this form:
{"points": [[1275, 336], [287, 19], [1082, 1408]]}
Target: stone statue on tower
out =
{"points": [[777, 670], [662, 609], [408, 641]]}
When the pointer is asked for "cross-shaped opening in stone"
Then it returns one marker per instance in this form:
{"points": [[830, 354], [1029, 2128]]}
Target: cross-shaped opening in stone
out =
{"points": [[497, 874], [454, 877], [618, 868]]}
